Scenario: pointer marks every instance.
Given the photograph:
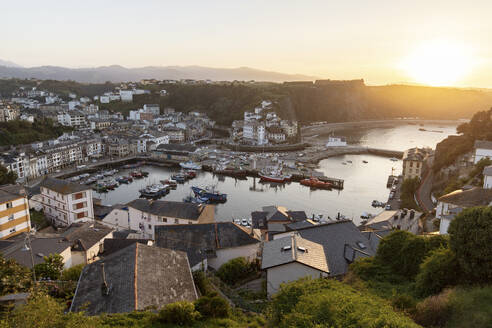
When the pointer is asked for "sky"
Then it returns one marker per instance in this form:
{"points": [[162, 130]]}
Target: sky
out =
{"points": [[380, 41]]}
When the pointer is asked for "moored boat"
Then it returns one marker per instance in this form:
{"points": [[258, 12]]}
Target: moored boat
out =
{"points": [[210, 193], [316, 183], [190, 165]]}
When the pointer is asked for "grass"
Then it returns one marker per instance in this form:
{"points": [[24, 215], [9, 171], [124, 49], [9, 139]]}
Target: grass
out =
{"points": [[470, 307]]}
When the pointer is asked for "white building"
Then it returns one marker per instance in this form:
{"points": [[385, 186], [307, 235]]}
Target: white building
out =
{"points": [[72, 118], [152, 108], [65, 202], [104, 99], [483, 149], [72, 105], [487, 177], [126, 95], [451, 204], [145, 214], [291, 258], [336, 142], [255, 131]]}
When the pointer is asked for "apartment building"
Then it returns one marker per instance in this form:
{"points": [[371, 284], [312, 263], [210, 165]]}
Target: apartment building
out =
{"points": [[14, 211], [65, 202], [413, 162]]}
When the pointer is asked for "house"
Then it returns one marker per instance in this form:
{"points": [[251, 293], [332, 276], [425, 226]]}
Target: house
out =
{"points": [[21, 250], [146, 214], [87, 241], [342, 242], [65, 202], [413, 162], [487, 177], [132, 279], [404, 219], [14, 211], [451, 204], [126, 95], [273, 219], [211, 244], [290, 258], [483, 149], [334, 141]]}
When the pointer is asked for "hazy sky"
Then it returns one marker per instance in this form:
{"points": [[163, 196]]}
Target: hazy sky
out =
{"points": [[334, 39]]}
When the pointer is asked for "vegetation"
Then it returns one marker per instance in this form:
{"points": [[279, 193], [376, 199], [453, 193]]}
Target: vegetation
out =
{"points": [[14, 278], [6, 176], [51, 268], [471, 239], [38, 219], [23, 132], [408, 189], [236, 270], [73, 273], [329, 303]]}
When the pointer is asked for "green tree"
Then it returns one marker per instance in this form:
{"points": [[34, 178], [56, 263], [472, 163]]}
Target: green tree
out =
{"points": [[438, 271], [51, 268], [235, 270], [471, 240], [73, 273], [6, 176], [14, 278]]}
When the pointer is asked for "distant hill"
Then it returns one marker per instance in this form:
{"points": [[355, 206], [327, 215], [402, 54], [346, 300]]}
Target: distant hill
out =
{"points": [[117, 73]]}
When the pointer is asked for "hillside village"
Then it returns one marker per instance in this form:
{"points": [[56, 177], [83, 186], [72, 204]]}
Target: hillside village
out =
{"points": [[151, 261]]}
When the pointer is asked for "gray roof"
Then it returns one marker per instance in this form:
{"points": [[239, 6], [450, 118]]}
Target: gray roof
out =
{"points": [[375, 237], [182, 210], [112, 245], [272, 213], [40, 247], [177, 147], [341, 241], [299, 225], [468, 198], [137, 277], [200, 241], [487, 170], [483, 144], [11, 192], [294, 249], [62, 186], [86, 235]]}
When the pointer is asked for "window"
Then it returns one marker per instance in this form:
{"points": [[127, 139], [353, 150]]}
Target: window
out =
{"points": [[164, 219], [12, 230], [176, 221], [80, 215], [150, 227], [11, 217], [411, 164], [9, 205]]}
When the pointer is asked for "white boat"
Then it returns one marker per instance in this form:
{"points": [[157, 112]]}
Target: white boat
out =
{"points": [[190, 165], [394, 159]]}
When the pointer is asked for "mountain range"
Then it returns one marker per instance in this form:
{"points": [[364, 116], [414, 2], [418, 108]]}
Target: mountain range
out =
{"points": [[116, 73]]}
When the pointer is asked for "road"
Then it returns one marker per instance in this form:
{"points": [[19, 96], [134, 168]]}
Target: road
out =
{"points": [[424, 192]]}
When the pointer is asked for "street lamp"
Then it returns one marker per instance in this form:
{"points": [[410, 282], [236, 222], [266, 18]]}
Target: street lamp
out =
{"points": [[28, 247]]}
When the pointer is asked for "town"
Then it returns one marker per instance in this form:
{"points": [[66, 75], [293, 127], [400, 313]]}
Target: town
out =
{"points": [[53, 222]]}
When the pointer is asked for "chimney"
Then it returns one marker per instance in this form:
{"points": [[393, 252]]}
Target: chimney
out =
{"points": [[412, 214]]}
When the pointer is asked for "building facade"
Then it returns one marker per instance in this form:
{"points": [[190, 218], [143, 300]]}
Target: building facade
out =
{"points": [[14, 211]]}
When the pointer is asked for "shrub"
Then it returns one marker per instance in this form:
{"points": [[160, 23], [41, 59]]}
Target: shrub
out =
{"points": [[179, 313], [235, 270], [403, 302], [51, 268], [212, 307], [471, 239], [434, 310], [203, 284], [330, 303], [470, 307], [438, 271], [73, 273]]}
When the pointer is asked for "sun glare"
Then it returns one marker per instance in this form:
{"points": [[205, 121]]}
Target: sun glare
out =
{"points": [[438, 63]]}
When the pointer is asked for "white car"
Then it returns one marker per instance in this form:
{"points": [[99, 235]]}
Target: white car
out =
{"points": [[387, 207]]}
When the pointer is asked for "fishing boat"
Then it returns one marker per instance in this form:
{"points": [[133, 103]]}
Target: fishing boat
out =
{"points": [[111, 184], [210, 193], [365, 162], [150, 192], [122, 179], [190, 165], [316, 183], [144, 173], [190, 174], [137, 175], [376, 203], [171, 183], [179, 178], [275, 176], [85, 175], [195, 199]]}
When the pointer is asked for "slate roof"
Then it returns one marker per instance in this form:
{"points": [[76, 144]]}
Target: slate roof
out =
{"points": [[62, 186], [341, 241], [200, 241], [483, 144], [100, 211], [181, 210], [112, 245], [468, 198], [177, 147], [299, 225], [11, 192], [86, 235], [137, 277], [487, 170], [294, 249], [271, 214], [40, 247]]}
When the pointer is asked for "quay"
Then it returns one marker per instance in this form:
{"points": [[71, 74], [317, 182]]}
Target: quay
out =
{"points": [[317, 154]]}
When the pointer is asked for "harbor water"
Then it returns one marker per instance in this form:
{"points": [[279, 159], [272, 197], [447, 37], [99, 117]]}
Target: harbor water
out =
{"points": [[364, 182]]}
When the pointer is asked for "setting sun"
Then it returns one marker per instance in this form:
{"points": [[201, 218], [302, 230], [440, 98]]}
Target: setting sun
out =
{"points": [[438, 63]]}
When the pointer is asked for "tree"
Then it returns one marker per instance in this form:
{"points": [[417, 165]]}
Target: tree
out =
{"points": [[73, 273], [6, 176], [14, 278], [438, 271], [51, 268], [471, 240]]}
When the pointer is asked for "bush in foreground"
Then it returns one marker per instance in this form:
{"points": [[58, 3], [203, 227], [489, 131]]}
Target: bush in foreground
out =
{"points": [[212, 307], [438, 271], [179, 313], [235, 270]]}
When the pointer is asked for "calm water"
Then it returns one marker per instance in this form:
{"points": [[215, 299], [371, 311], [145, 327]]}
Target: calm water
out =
{"points": [[364, 182]]}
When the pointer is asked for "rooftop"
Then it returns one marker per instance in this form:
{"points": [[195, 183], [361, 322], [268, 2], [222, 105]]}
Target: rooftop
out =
{"points": [[134, 278], [62, 186], [171, 209], [483, 144], [11, 192], [468, 198]]}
